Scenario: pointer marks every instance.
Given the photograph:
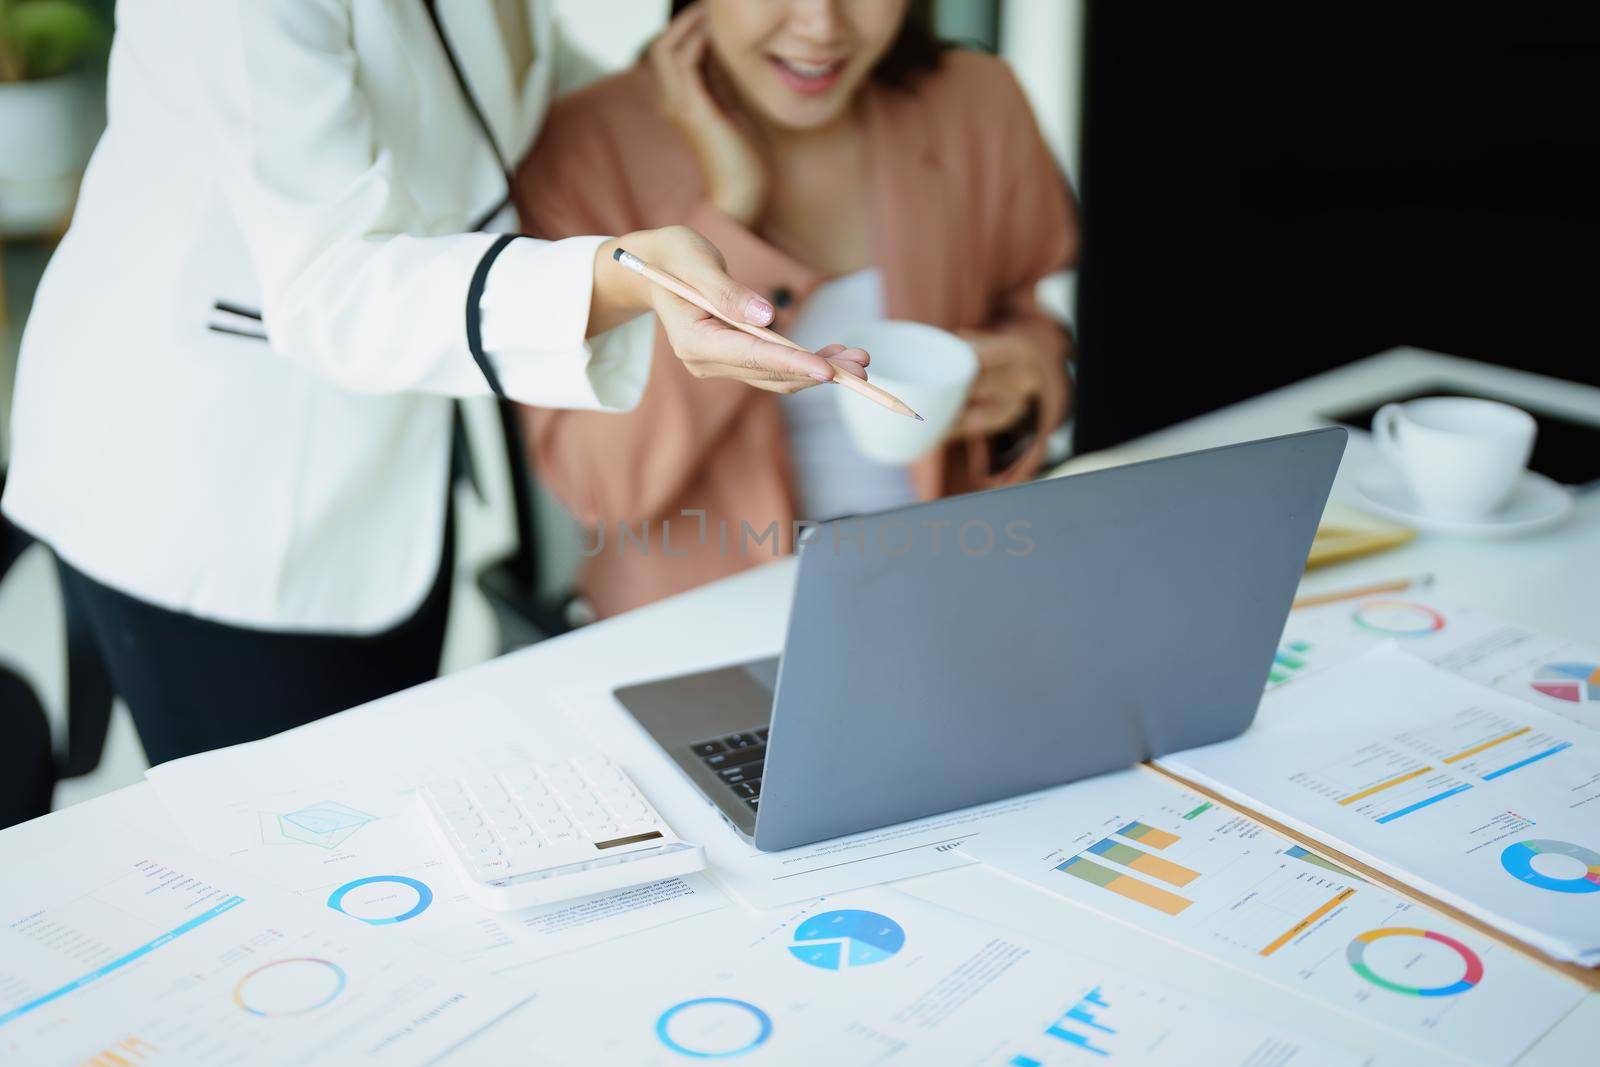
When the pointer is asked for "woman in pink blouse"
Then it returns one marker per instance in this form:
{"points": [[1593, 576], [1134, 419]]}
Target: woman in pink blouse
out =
{"points": [[850, 168]]}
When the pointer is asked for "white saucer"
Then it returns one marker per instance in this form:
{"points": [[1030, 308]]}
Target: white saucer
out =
{"points": [[1536, 503]]}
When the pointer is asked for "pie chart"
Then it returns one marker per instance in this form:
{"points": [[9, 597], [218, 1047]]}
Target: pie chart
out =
{"points": [[1575, 682], [836, 940]]}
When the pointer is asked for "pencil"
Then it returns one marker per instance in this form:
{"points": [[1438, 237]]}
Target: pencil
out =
{"points": [[682, 289], [1399, 585]]}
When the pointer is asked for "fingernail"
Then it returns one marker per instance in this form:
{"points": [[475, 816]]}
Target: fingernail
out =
{"points": [[758, 311], [821, 377]]}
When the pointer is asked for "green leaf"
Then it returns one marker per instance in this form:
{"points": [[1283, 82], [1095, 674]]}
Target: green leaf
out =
{"points": [[44, 38]]}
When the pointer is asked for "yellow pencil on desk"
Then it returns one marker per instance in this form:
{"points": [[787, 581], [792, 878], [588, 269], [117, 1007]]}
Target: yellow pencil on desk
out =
{"points": [[687, 292], [1399, 585]]}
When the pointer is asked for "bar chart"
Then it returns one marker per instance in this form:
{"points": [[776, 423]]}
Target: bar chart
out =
{"points": [[1135, 859]]}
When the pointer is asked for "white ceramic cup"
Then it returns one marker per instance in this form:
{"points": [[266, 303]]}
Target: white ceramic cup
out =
{"points": [[1461, 457], [929, 368]]}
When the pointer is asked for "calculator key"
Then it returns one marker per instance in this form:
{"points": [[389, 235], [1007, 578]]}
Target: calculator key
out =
{"points": [[463, 821], [604, 831], [494, 868], [554, 824], [741, 740], [450, 805], [482, 853], [630, 809], [604, 772], [618, 794], [563, 778], [748, 789], [754, 802], [709, 748], [513, 828], [474, 837], [563, 837]]}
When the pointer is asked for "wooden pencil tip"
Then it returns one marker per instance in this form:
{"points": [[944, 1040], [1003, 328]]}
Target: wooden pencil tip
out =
{"points": [[919, 418]]}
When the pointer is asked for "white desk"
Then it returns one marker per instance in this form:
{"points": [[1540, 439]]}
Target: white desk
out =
{"points": [[1548, 581], [1540, 580]]}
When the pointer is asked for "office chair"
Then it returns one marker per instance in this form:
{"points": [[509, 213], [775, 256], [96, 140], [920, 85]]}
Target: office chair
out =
{"points": [[89, 692], [511, 584]]}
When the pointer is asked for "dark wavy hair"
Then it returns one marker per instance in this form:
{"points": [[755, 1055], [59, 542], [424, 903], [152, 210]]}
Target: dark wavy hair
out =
{"points": [[915, 51]]}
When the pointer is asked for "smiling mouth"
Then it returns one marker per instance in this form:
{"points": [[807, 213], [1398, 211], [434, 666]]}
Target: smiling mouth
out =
{"points": [[807, 77]]}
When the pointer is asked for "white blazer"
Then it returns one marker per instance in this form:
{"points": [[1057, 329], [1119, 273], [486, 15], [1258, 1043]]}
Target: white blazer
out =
{"points": [[315, 160]]}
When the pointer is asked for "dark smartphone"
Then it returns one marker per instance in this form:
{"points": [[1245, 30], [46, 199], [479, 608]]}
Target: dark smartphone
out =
{"points": [[1566, 450]]}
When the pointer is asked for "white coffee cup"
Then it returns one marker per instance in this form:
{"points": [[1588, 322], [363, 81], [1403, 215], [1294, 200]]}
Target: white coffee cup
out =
{"points": [[1461, 456], [929, 368]]}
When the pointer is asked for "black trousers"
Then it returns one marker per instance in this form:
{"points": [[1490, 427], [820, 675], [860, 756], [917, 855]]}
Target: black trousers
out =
{"points": [[194, 685]]}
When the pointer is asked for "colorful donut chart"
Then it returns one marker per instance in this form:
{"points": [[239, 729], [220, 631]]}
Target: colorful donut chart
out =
{"points": [[1357, 951], [1517, 859], [1398, 618], [243, 999]]}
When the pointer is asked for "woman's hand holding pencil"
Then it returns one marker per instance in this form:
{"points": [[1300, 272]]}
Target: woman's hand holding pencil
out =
{"points": [[715, 325], [762, 358]]}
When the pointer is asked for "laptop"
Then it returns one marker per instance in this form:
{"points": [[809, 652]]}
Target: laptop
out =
{"points": [[983, 646]]}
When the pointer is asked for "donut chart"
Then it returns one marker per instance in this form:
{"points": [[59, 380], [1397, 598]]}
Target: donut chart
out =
{"points": [[1517, 859], [1398, 618], [713, 1028], [336, 900], [1356, 955], [289, 987]]}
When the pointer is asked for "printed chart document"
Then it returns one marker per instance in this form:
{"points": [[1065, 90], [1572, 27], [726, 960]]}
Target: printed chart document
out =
{"points": [[1142, 849], [329, 811], [771, 879], [1553, 673], [1482, 800], [872, 976], [119, 948]]}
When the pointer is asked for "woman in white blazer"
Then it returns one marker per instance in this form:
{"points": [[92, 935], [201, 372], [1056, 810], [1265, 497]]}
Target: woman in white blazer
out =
{"points": [[232, 411]]}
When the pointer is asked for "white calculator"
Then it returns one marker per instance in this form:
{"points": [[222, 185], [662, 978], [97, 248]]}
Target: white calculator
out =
{"points": [[542, 832]]}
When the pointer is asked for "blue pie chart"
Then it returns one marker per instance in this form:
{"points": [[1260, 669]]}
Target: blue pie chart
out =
{"points": [[836, 940]]}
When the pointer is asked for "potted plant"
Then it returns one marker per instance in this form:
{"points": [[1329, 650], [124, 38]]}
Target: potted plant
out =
{"points": [[49, 111]]}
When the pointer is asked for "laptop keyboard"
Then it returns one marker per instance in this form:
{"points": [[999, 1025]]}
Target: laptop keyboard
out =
{"points": [[737, 759]]}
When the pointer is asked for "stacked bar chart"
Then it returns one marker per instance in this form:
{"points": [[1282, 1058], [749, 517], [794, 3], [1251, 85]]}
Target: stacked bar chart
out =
{"points": [[1295, 852], [1135, 859], [1148, 835]]}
